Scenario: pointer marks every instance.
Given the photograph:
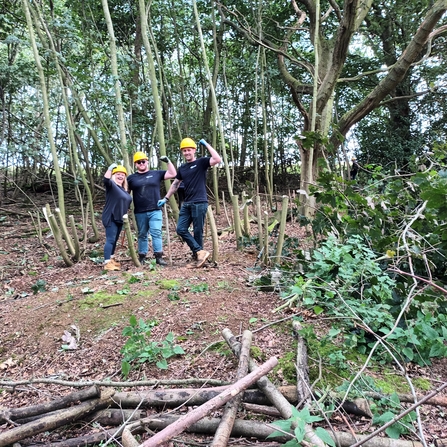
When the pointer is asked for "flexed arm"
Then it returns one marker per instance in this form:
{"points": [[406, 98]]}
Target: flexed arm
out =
{"points": [[215, 157], [171, 171]]}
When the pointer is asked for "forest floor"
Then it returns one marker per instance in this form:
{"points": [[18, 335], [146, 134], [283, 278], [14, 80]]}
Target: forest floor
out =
{"points": [[41, 299]]}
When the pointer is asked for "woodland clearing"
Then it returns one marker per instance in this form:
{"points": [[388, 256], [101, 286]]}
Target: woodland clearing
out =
{"points": [[42, 299]]}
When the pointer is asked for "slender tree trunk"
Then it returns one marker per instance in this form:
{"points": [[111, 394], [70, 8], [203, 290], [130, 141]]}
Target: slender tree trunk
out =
{"points": [[223, 150], [117, 87], [77, 168], [46, 109], [155, 95]]}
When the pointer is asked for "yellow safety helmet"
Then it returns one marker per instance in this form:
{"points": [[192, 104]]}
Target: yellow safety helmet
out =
{"points": [[139, 156], [119, 168], [188, 142]]}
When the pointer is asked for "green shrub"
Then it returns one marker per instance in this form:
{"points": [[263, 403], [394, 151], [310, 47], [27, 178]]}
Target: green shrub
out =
{"points": [[140, 349]]}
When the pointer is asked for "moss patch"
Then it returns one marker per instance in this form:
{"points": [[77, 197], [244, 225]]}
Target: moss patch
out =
{"points": [[168, 284], [422, 384], [99, 299], [286, 364]]}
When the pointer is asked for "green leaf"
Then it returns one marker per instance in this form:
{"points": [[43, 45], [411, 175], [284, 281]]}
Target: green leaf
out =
{"points": [[178, 350], [167, 352], [318, 310], [408, 352], [325, 436], [394, 431], [125, 368], [438, 350], [170, 337], [299, 433], [282, 425], [162, 364], [333, 332]]}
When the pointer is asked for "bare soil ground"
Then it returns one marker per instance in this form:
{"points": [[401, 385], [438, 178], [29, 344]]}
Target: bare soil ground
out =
{"points": [[41, 298]]}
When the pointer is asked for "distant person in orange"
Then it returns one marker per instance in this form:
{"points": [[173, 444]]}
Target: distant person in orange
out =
{"points": [[193, 175], [117, 204]]}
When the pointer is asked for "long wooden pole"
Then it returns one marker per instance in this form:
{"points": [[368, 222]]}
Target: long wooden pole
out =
{"points": [[184, 422]]}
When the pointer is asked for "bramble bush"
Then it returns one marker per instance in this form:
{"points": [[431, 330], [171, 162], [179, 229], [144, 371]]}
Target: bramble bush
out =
{"points": [[380, 267]]}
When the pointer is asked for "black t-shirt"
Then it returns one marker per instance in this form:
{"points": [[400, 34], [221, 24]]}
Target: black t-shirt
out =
{"points": [[145, 189], [118, 201], [193, 176]]}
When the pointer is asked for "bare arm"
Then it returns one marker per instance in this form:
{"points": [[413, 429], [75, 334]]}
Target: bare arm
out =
{"points": [[171, 172], [173, 188], [215, 157]]}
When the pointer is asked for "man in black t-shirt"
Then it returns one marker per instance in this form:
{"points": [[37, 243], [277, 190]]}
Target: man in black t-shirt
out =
{"points": [[193, 175], [145, 187]]}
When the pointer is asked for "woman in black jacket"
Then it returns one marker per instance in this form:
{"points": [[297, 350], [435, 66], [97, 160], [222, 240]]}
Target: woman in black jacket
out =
{"points": [[118, 201]]}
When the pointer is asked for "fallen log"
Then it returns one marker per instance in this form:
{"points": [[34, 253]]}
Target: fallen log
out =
{"points": [[303, 386], [128, 439], [264, 384], [115, 416], [275, 397], [223, 432], [302, 383], [12, 414], [200, 412], [262, 409], [82, 441], [241, 429], [261, 430], [172, 398], [63, 417]]}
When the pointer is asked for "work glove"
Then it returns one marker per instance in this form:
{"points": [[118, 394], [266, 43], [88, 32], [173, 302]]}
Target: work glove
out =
{"points": [[161, 202], [202, 141], [112, 167], [165, 159]]}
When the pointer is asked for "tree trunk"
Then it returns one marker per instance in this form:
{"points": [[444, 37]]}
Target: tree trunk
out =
{"points": [[46, 110], [200, 412], [223, 432], [55, 420], [56, 404]]}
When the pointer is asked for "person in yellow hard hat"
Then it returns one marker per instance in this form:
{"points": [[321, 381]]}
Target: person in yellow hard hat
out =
{"points": [[193, 175], [117, 204], [145, 187]]}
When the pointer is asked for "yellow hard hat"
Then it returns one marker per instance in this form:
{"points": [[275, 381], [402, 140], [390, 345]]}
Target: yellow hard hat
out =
{"points": [[139, 156], [119, 168], [188, 142]]}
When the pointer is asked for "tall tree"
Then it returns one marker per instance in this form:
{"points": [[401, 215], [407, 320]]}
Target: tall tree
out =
{"points": [[311, 50]]}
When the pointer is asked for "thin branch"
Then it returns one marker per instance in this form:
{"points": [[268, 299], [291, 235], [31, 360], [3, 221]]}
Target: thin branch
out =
{"points": [[419, 278]]}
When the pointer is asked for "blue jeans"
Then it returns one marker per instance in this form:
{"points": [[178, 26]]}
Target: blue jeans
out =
{"points": [[149, 222], [112, 234], [194, 213]]}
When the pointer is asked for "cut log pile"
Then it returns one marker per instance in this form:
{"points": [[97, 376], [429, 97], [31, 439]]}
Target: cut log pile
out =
{"points": [[153, 414]]}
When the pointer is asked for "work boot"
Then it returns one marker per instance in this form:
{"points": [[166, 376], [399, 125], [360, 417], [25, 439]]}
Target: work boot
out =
{"points": [[192, 264], [115, 262], [159, 258], [111, 266], [202, 256]]}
